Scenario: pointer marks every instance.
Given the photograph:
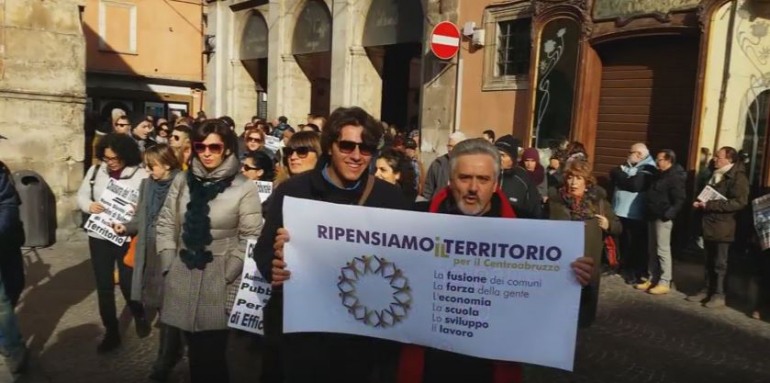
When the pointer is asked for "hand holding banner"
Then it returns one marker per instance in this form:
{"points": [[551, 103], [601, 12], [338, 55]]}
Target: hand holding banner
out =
{"points": [[486, 287]]}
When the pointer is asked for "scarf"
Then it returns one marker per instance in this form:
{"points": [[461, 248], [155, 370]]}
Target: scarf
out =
{"points": [[580, 209], [196, 229], [718, 174], [157, 192]]}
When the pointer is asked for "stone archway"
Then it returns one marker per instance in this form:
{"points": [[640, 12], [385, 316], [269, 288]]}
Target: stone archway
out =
{"points": [[311, 47], [392, 37], [253, 54]]}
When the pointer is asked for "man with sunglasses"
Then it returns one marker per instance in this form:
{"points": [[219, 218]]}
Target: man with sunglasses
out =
{"points": [[122, 125], [348, 144]]}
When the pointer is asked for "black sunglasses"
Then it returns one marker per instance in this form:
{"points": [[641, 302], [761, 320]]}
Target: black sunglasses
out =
{"points": [[301, 151], [348, 147], [248, 168]]}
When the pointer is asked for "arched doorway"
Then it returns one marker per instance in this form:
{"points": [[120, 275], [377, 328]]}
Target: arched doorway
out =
{"points": [[311, 46], [253, 56], [393, 36]]}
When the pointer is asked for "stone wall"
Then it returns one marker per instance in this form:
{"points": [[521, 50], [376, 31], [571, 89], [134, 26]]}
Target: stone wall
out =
{"points": [[42, 95]]}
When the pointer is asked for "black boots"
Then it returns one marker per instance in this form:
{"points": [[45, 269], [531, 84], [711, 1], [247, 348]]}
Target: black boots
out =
{"points": [[169, 353], [110, 342], [143, 327]]}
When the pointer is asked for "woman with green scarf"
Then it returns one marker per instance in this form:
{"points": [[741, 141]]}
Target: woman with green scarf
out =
{"points": [[210, 213]]}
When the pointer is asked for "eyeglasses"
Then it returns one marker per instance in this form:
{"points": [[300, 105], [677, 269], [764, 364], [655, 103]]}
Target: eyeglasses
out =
{"points": [[302, 151], [110, 159], [254, 139], [122, 125], [248, 168], [200, 148], [348, 147]]}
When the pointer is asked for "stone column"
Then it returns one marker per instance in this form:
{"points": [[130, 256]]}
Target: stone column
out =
{"points": [[366, 84], [288, 87], [438, 85]]}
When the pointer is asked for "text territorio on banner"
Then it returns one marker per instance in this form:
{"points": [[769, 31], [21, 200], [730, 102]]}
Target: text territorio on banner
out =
{"points": [[485, 287]]}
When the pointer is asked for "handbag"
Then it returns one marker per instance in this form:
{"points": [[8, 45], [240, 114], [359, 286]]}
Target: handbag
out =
{"points": [[128, 259]]}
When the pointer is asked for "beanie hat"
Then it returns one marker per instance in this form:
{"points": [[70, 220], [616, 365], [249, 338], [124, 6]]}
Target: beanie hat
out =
{"points": [[530, 154], [411, 144], [509, 145]]}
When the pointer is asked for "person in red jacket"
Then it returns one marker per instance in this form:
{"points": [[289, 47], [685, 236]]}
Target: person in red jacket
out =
{"points": [[473, 190]]}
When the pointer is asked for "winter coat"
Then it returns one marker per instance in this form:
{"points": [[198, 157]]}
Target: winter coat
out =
{"points": [[11, 237], [666, 194], [630, 182], [195, 300], [522, 193], [147, 278], [594, 244], [719, 217], [131, 176], [437, 177]]}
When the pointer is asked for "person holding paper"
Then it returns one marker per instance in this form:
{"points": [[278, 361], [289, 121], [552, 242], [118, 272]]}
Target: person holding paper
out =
{"points": [[121, 161], [348, 145], [210, 214], [719, 221], [147, 283], [473, 190]]}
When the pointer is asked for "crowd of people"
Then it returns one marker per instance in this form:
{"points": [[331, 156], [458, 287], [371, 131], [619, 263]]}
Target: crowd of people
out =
{"points": [[198, 207]]}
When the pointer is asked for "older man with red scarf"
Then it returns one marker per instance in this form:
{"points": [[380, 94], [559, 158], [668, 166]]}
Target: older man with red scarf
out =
{"points": [[473, 190]]}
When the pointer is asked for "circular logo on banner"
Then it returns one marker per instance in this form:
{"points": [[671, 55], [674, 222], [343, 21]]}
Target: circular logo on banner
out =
{"points": [[375, 291]]}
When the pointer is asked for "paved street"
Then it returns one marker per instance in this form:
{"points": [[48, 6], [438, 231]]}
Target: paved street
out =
{"points": [[637, 337]]}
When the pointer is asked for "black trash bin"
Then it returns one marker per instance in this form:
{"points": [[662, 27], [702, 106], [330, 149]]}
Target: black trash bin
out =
{"points": [[37, 210]]}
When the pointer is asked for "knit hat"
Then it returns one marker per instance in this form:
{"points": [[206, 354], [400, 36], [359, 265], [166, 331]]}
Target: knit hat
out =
{"points": [[410, 144], [530, 154], [509, 145]]}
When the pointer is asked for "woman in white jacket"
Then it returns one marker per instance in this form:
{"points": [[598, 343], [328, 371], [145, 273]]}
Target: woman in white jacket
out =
{"points": [[121, 161]]}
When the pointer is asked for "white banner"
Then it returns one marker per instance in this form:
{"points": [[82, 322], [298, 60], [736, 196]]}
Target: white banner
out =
{"points": [[273, 143], [247, 311], [265, 189], [492, 288], [119, 203]]}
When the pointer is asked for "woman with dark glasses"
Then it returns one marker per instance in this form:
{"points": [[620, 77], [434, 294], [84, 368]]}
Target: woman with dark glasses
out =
{"points": [[254, 141], [162, 132], [209, 215], [258, 166], [300, 155]]}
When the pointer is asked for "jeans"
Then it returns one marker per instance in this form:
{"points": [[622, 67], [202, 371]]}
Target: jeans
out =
{"points": [[660, 251], [11, 342], [716, 266], [207, 354], [104, 256], [633, 247]]}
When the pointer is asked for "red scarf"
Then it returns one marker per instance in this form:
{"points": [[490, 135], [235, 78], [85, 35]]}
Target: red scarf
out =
{"points": [[412, 360]]}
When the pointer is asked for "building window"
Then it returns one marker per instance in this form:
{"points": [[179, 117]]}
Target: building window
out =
{"points": [[513, 47], [117, 26], [508, 45]]}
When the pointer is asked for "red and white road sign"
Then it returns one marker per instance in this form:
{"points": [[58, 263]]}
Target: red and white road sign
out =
{"points": [[445, 40]]}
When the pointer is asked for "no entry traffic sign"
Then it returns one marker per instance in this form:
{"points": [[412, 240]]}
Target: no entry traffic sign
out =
{"points": [[445, 40]]}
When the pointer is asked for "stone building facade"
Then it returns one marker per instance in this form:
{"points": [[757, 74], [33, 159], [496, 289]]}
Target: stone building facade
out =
{"points": [[42, 95], [294, 57]]}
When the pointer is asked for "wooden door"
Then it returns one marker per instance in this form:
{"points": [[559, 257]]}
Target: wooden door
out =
{"points": [[646, 95]]}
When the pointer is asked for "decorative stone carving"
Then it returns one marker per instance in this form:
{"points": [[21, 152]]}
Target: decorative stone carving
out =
{"points": [[543, 5]]}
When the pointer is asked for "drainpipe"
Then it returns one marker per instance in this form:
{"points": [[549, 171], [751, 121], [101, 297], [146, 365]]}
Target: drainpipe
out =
{"points": [[726, 71]]}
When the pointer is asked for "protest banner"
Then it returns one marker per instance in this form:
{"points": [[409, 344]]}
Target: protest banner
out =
{"points": [[273, 143], [761, 211], [265, 189], [492, 288], [252, 296], [119, 202]]}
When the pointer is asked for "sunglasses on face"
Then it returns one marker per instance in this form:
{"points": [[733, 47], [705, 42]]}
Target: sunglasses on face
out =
{"points": [[200, 148], [254, 139], [122, 125], [348, 147], [247, 168], [301, 151]]}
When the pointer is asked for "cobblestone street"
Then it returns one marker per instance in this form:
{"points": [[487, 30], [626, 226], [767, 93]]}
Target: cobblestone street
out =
{"points": [[636, 338]]}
